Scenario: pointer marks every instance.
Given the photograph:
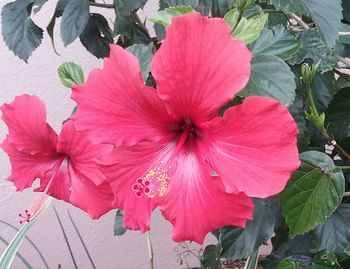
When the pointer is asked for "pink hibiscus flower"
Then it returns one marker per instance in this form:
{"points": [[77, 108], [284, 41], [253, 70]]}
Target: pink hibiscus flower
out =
{"points": [[63, 163], [172, 149]]}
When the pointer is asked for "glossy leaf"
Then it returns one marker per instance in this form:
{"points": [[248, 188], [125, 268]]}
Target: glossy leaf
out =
{"points": [[277, 41], [247, 29], [271, 77], [144, 54], [313, 193], [70, 74], [163, 17], [334, 234], [338, 114], [326, 14], [20, 33], [126, 6], [210, 258], [314, 48], [74, 19], [97, 36], [240, 243]]}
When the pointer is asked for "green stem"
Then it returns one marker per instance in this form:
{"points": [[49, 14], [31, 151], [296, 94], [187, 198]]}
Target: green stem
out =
{"points": [[321, 127], [311, 100]]}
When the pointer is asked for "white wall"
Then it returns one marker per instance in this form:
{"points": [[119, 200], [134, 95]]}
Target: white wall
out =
{"points": [[39, 77]]}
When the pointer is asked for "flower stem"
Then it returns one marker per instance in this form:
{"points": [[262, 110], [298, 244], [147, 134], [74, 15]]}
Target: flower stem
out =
{"points": [[150, 251]]}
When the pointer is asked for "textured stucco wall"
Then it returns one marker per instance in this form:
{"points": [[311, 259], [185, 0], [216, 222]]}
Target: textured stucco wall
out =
{"points": [[39, 77]]}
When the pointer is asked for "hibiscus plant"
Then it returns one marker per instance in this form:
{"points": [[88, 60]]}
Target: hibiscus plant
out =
{"points": [[233, 119]]}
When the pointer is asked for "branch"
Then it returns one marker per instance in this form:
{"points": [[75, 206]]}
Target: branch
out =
{"points": [[101, 5], [341, 74], [298, 20], [305, 26]]}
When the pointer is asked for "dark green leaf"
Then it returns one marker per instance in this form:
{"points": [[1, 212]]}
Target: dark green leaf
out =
{"points": [[163, 17], [74, 19], [70, 74], [314, 48], [38, 4], [126, 6], [271, 77], [338, 114], [241, 243], [326, 14], [20, 33], [345, 38], [334, 234], [144, 54], [324, 86], [297, 109], [277, 18], [215, 8], [210, 258], [325, 260], [277, 41], [130, 31], [118, 223], [288, 6], [313, 193], [287, 264], [346, 9], [298, 249], [172, 3], [97, 36]]}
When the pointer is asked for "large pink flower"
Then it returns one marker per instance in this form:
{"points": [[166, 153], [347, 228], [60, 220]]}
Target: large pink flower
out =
{"points": [[64, 163], [172, 149]]}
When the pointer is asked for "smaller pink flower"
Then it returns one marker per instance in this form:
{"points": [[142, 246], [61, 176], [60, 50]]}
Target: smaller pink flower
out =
{"points": [[64, 163]]}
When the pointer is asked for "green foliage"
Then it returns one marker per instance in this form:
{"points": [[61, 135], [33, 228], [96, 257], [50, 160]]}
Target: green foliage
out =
{"points": [[144, 54], [163, 17], [240, 243], [276, 41], [313, 193], [20, 33], [326, 14], [246, 29], [333, 234], [70, 74], [338, 114], [97, 36], [270, 76], [314, 48], [74, 19]]}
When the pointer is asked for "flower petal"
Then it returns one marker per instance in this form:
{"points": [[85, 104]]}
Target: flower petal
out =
{"points": [[122, 168], [254, 147], [196, 202], [199, 66], [25, 118], [27, 167], [114, 106], [82, 152], [93, 199]]}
